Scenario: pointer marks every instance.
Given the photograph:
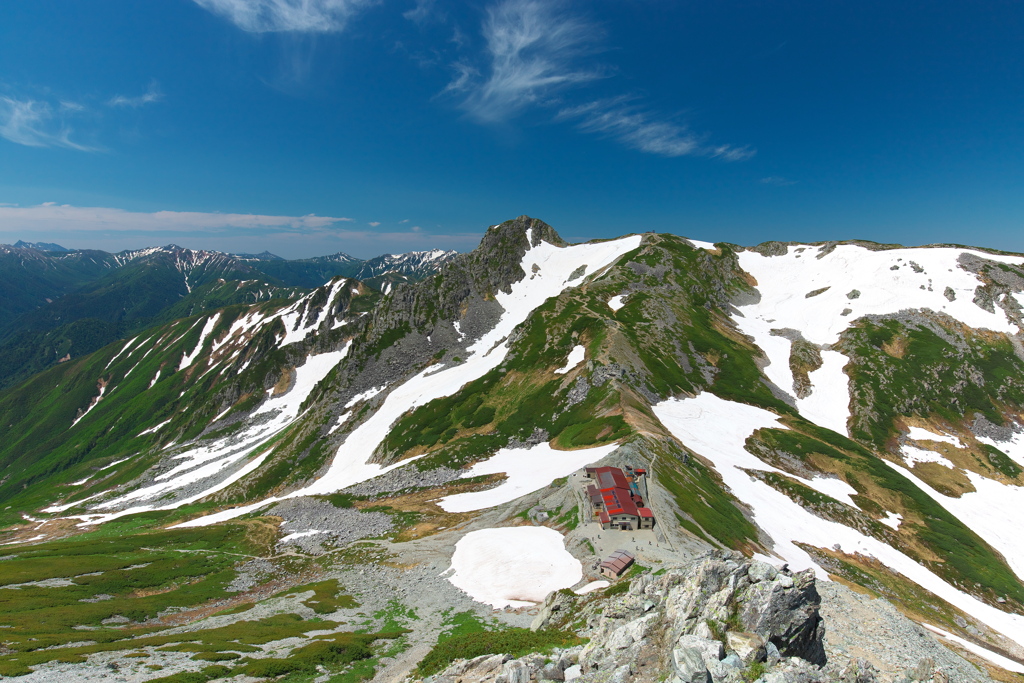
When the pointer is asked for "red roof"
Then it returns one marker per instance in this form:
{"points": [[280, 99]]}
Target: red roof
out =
{"points": [[619, 502], [603, 516], [610, 477], [645, 512]]}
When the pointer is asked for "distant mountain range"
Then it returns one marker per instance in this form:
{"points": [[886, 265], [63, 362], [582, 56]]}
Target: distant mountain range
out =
{"points": [[41, 246], [57, 303]]}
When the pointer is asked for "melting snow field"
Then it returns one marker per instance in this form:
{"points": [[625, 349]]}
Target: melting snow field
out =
{"points": [[865, 282], [528, 469], [554, 265], [576, 357], [717, 429], [513, 566], [616, 302]]}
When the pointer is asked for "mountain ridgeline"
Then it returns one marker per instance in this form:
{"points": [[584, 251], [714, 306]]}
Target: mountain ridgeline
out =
{"points": [[59, 304], [853, 411]]}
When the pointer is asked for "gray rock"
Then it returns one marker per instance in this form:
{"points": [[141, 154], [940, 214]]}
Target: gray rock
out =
{"points": [[923, 670], [571, 673], [711, 650], [689, 665], [750, 647], [761, 571], [787, 613], [515, 672], [733, 661]]}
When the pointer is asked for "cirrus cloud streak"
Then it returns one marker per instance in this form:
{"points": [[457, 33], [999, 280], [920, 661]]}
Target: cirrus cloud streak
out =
{"points": [[635, 128], [270, 16]]}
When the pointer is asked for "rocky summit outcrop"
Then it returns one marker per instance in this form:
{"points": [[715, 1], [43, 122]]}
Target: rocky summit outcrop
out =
{"points": [[720, 619]]}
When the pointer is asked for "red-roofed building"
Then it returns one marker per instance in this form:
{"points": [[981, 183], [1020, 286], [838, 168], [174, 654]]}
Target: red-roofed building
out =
{"points": [[616, 499]]}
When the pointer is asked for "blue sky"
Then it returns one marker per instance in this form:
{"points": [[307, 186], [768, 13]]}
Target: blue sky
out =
{"points": [[312, 126]]}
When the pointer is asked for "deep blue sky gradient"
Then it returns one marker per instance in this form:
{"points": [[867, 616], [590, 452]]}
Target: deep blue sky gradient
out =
{"points": [[894, 122]]}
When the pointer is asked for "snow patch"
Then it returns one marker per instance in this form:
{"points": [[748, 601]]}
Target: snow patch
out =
{"points": [[92, 404], [913, 455], [366, 395], [528, 469], [341, 421], [188, 359], [299, 534], [591, 587], [156, 428], [918, 434], [828, 405], [982, 652], [513, 566], [892, 519], [210, 459], [616, 302], [576, 357]]}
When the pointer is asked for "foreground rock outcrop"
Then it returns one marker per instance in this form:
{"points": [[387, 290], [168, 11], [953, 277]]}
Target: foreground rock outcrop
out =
{"points": [[721, 619]]}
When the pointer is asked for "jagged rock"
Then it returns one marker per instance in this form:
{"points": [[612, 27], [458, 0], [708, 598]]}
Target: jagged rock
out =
{"points": [[689, 665], [555, 605], [571, 673], [626, 635], [786, 612]]}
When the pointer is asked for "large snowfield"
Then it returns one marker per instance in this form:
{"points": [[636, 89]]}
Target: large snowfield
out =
{"points": [[513, 566], [820, 293]]}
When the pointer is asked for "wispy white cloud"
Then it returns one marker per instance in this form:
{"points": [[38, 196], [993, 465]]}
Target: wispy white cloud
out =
{"points": [[532, 50], [535, 52], [423, 11], [777, 181], [64, 217], [307, 16], [34, 123], [634, 127], [373, 224], [151, 95]]}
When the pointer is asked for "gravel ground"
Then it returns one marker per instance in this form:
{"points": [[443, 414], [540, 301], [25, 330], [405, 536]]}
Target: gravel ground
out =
{"points": [[336, 526], [859, 626]]}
